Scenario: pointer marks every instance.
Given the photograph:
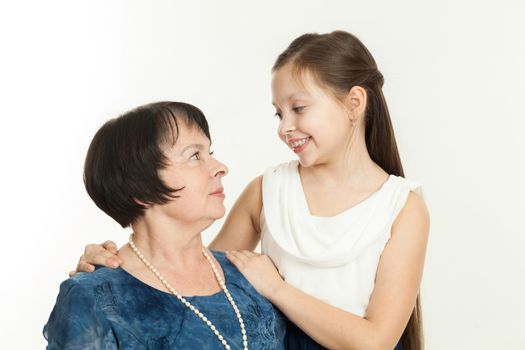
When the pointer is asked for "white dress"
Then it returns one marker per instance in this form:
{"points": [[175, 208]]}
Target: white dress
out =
{"points": [[335, 258]]}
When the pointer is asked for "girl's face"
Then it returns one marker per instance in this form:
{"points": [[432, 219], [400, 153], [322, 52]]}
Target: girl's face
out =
{"points": [[192, 166], [313, 123]]}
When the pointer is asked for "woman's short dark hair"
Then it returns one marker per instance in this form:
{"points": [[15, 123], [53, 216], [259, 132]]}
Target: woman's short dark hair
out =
{"points": [[124, 157]]}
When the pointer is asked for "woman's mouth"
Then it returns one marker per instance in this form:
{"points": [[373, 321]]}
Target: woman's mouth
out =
{"points": [[298, 145], [218, 192]]}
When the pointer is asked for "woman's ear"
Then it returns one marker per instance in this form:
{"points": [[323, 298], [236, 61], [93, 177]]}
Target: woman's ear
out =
{"points": [[355, 101], [144, 204]]}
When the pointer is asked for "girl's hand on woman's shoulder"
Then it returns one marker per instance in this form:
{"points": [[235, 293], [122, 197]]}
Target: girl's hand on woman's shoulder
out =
{"points": [[258, 269], [104, 254]]}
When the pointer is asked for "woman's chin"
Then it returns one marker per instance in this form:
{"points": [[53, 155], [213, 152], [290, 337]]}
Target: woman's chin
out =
{"points": [[219, 214]]}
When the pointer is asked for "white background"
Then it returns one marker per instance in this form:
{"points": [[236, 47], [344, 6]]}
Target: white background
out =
{"points": [[455, 81]]}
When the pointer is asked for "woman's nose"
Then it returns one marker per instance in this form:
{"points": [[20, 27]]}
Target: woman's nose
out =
{"points": [[219, 169]]}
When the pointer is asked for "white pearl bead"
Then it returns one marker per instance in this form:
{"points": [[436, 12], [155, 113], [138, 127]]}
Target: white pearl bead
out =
{"points": [[189, 305]]}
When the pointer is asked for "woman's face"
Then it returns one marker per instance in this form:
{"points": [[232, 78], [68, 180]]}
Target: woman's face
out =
{"points": [[192, 167], [313, 123]]}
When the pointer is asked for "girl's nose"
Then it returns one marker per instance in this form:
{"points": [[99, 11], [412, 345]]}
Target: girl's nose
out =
{"points": [[287, 125]]}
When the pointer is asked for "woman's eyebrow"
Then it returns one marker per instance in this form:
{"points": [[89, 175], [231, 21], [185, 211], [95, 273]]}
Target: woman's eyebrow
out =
{"points": [[198, 146]]}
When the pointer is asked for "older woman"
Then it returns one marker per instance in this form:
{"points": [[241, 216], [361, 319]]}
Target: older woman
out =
{"points": [[152, 169]]}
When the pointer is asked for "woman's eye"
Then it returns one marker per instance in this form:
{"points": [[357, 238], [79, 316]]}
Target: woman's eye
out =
{"points": [[278, 115], [298, 109], [195, 156]]}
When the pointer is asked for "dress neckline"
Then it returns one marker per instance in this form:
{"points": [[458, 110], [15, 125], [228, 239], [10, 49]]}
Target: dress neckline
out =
{"points": [[364, 202], [218, 256]]}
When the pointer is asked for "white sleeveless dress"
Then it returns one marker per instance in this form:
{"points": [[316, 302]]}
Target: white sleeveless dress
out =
{"points": [[335, 258]]}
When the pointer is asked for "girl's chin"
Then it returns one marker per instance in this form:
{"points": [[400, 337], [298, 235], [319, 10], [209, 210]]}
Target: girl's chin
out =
{"points": [[305, 162]]}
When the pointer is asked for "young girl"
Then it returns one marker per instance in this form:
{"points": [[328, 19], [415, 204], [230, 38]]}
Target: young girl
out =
{"points": [[343, 227]]}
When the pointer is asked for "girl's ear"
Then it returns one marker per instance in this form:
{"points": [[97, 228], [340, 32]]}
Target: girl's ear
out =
{"points": [[355, 101]]}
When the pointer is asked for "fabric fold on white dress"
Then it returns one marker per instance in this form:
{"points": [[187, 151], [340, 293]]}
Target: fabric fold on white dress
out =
{"points": [[335, 257]]}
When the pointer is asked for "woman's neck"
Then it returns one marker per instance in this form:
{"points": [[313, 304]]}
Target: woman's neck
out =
{"points": [[174, 249], [167, 243]]}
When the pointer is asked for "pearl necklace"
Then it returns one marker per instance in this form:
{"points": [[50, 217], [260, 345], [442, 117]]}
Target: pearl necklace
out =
{"points": [[189, 305]]}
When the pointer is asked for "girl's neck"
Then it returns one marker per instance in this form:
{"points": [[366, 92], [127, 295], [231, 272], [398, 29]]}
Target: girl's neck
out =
{"points": [[354, 167]]}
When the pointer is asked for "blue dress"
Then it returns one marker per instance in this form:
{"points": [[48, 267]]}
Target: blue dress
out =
{"points": [[296, 339], [111, 309]]}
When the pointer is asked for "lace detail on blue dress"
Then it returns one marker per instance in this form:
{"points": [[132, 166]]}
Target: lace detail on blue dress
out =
{"points": [[104, 297]]}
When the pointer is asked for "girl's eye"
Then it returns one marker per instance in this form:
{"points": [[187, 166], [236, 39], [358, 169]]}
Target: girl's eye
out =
{"points": [[195, 156], [278, 115], [298, 109], [211, 153]]}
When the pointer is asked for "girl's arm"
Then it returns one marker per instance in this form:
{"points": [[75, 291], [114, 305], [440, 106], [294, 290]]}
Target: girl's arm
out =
{"points": [[241, 231], [396, 287]]}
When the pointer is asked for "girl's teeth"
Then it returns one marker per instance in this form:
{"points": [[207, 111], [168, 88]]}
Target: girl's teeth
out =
{"points": [[299, 143]]}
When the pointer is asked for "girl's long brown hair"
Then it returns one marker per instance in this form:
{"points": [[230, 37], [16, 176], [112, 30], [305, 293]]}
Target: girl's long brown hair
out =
{"points": [[340, 61]]}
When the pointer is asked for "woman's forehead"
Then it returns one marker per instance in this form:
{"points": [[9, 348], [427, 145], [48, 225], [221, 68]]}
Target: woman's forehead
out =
{"points": [[180, 129], [191, 135]]}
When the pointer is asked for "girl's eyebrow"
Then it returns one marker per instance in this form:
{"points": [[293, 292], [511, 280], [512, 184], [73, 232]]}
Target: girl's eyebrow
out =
{"points": [[292, 96]]}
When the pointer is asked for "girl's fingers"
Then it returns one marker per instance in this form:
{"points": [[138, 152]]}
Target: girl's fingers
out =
{"points": [[249, 253], [83, 266], [235, 259], [244, 255], [96, 254], [111, 246], [241, 258]]}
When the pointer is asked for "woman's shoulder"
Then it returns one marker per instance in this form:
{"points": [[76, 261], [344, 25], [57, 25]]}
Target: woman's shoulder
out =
{"points": [[95, 294], [86, 284], [267, 321], [101, 274], [78, 318], [232, 274], [224, 262]]}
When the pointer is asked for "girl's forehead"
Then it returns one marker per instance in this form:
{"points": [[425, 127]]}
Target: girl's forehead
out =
{"points": [[289, 83]]}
